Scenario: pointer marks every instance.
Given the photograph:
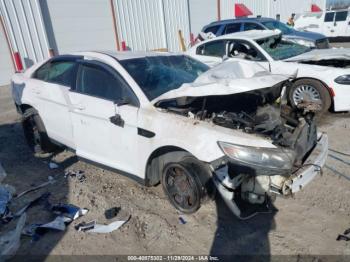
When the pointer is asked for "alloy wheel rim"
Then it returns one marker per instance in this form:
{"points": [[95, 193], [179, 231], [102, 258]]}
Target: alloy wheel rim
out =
{"points": [[306, 93], [180, 187]]}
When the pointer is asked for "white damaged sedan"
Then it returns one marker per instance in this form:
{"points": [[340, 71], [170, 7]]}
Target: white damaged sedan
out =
{"points": [[321, 76], [166, 118]]}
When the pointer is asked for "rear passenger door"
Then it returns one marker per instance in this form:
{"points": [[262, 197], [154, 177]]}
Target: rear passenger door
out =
{"points": [[104, 117], [211, 53], [53, 80]]}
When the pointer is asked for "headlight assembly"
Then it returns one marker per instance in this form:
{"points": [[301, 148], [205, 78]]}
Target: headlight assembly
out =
{"points": [[343, 80], [265, 158]]}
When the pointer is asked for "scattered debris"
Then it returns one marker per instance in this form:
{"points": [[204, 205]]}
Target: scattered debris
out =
{"points": [[10, 242], [345, 236], [98, 228], [112, 212], [182, 220], [50, 181], [53, 165], [39, 200], [37, 230], [71, 211], [83, 226], [80, 175]]}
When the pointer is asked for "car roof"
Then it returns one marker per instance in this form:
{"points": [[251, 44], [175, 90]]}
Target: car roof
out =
{"points": [[250, 35], [240, 20]]}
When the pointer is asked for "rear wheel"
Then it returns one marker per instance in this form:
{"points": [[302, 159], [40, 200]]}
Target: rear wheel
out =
{"points": [[310, 90], [35, 133]]}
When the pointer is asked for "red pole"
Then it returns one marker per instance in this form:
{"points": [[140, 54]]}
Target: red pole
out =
{"points": [[219, 9], [123, 46], [18, 61], [114, 17]]}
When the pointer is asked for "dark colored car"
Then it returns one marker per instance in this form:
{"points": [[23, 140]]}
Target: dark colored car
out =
{"points": [[310, 39]]}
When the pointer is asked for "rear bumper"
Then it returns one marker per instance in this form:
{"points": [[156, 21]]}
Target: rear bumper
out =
{"points": [[311, 167]]}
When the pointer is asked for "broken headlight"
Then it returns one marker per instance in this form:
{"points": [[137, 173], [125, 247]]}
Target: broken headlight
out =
{"points": [[343, 80], [267, 158]]}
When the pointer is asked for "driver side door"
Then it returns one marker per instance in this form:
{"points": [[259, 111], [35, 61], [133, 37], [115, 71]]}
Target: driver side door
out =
{"points": [[104, 115]]}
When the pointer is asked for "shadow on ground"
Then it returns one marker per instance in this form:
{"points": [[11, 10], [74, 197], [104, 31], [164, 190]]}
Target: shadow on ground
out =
{"points": [[245, 240]]}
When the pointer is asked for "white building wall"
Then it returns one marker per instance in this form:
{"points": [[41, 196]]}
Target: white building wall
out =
{"points": [[202, 12], [23, 22], [79, 25], [6, 65], [141, 24], [176, 17]]}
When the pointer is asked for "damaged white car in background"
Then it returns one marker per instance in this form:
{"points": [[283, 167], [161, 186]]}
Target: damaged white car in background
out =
{"points": [[322, 76], [163, 118]]}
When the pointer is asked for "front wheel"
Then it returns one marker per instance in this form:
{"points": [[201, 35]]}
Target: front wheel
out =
{"points": [[312, 91], [182, 187]]}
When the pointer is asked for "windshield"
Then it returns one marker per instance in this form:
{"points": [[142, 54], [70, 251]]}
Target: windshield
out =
{"points": [[280, 49], [278, 25], [157, 75]]}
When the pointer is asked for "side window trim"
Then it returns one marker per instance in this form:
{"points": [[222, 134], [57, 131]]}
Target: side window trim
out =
{"points": [[63, 58], [101, 66], [211, 42]]}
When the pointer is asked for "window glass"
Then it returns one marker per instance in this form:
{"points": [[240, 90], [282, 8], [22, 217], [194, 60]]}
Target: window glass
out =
{"points": [[244, 50], [61, 73], [215, 48], [341, 16], [279, 49], [278, 25], [96, 81], [329, 17], [252, 26], [58, 72], [212, 29], [233, 28], [160, 74], [43, 72]]}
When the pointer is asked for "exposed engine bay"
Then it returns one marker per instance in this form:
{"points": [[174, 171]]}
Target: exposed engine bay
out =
{"points": [[261, 112]]}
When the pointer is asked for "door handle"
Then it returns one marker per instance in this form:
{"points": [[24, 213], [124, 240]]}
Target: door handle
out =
{"points": [[79, 107], [117, 120]]}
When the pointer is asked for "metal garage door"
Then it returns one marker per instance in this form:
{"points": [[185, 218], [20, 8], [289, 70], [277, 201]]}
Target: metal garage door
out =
{"points": [[79, 25], [6, 65]]}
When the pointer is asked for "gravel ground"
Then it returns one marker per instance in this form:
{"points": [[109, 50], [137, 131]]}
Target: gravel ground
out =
{"points": [[306, 224]]}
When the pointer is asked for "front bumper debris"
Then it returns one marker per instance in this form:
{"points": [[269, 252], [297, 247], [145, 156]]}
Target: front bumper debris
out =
{"points": [[227, 186], [311, 167]]}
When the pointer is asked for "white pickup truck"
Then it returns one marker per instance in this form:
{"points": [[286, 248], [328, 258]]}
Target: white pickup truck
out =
{"points": [[169, 119]]}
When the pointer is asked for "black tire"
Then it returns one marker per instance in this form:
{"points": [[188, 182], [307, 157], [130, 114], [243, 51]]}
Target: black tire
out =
{"points": [[321, 89], [35, 133], [186, 184]]}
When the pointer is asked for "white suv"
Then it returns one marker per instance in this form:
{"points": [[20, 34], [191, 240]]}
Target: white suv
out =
{"points": [[167, 118]]}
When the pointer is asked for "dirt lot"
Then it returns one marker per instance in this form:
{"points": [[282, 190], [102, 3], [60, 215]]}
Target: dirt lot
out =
{"points": [[306, 224]]}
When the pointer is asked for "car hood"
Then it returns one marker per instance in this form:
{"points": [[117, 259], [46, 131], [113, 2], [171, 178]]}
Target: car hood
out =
{"points": [[227, 78], [322, 54], [305, 35]]}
